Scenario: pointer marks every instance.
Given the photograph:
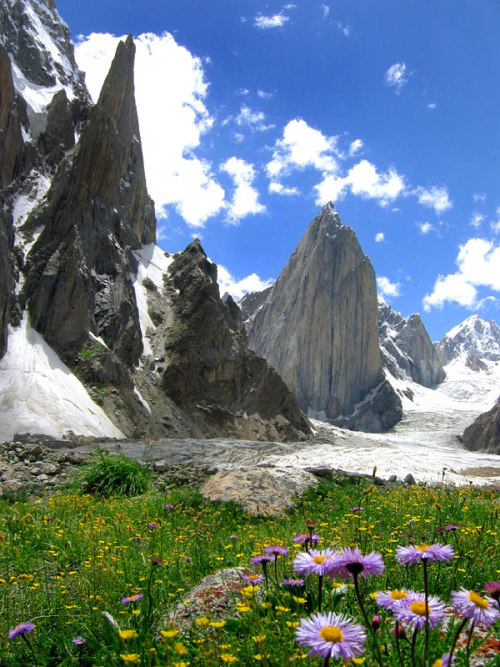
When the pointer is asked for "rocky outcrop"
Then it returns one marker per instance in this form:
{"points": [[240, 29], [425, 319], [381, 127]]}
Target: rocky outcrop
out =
{"points": [[318, 326], [59, 134], [210, 371], [6, 274], [12, 119], [79, 271], [484, 433], [408, 352]]}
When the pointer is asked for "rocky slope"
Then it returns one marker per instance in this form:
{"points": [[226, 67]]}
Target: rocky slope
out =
{"points": [[407, 350], [318, 326], [84, 290], [484, 433]]}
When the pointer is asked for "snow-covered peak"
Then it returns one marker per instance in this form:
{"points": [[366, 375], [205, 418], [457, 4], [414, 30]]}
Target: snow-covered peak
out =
{"points": [[39, 45], [472, 339]]}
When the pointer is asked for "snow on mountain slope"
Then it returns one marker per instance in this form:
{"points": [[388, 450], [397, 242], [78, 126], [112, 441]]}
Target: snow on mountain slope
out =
{"points": [[470, 339], [39, 394]]}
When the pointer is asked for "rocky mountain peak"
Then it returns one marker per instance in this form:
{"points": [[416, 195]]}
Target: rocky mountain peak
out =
{"points": [[407, 350], [474, 340], [318, 326]]}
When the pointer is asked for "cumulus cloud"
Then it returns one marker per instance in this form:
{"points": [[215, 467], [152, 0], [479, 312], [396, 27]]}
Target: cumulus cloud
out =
{"points": [[169, 83], [476, 219], [477, 262], [435, 197], [245, 199], [431, 105], [387, 289], [326, 10], [264, 95], [344, 29], [495, 225], [379, 237], [396, 77], [239, 287], [302, 146], [279, 189], [355, 147]]}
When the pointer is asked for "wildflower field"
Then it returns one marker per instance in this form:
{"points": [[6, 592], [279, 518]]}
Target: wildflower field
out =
{"points": [[356, 574]]}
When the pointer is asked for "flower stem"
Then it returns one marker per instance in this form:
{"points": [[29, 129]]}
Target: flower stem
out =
{"points": [[398, 647], [31, 649], [365, 617], [327, 661], [426, 593], [320, 591], [413, 645], [455, 639], [469, 640]]}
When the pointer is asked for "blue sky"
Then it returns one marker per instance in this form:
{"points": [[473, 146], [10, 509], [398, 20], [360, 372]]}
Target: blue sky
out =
{"points": [[254, 114]]}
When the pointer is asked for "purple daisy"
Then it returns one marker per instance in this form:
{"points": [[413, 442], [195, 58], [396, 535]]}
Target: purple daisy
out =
{"points": [[254, 579], [413, 610], [493, 590], [21, 629], [132, 598], [276, 549], [482, 610], [78, 641], [452, 527], [430, 552], [331, 635], [351, 563], [312, 538], [320, 562], [168, 507], [293, 582], [263, 559], [392, 599]]}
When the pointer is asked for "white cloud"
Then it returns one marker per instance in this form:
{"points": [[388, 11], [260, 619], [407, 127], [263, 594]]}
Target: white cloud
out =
{"points": [[275, 21], [396, 77], [495, 225], [477, 261], [425, 227], [479, 197], [169, 83], [431, 105], [379, 237], [434, 197], [355, 147], [237, 288], [279, 189], [247, 117], [387, 289], [344, 29], [245, 199], [264, 95], [302, 146], [476, 219], [365, 180], [326, 10]]}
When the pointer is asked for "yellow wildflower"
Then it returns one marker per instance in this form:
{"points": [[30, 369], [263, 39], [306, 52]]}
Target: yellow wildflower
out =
{"points": [[128, 634]]}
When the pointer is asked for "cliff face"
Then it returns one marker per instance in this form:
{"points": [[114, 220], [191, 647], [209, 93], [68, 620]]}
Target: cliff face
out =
{"points": [[408, 352], [318, 326], [78, 273]]}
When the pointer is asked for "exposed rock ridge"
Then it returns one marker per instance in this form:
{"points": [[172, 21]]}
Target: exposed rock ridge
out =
{"points": [[209, 369], [484, 433], [473, 340], [408, 352], [318, 325], [79, 271]]}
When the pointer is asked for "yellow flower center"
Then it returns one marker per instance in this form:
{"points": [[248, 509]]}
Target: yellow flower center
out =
{"points": [[331, 634], [438, 663], [478, 600], [319, 559], [398, 595], [419, 608], [423, 547]]}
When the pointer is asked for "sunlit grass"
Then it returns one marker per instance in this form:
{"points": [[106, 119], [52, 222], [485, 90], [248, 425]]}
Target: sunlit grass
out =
{"points": [[68, 562]]}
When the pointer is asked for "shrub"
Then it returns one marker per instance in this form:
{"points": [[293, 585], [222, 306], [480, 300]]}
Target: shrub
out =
{"points": [[114, 474]]}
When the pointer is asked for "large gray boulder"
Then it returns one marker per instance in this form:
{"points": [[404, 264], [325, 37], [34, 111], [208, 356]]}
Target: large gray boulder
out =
{"points": [[318, 326], [484, 433]]}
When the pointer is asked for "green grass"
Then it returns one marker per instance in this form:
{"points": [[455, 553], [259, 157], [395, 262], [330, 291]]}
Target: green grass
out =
{"points": [[68, 558], [114, 474]]}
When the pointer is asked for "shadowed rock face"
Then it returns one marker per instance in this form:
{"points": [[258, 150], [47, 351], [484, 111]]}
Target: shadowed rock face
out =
{"points": [[318, 325], [12, 113], [407, 350], [78, 273], [484, 433], [209, 365]]}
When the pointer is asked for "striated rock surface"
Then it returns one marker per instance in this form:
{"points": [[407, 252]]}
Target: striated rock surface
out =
{"points": [[209, 368], [484, 433], [78, 273], [408, 352], [318, 326], [12, 119], [473, 341]]}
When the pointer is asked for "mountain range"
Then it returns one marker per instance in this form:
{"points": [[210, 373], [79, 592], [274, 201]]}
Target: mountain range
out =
{"points": [[102, 333]]}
